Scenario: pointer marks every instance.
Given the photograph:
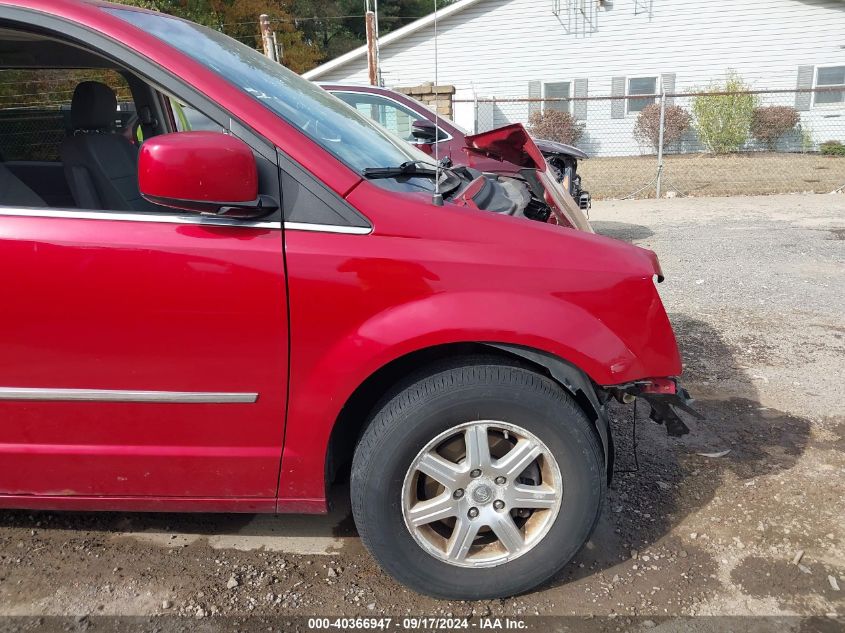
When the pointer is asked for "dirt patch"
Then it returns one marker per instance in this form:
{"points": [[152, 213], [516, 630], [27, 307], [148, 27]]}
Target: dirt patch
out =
{"points": [[751, 173], [789, 583]]}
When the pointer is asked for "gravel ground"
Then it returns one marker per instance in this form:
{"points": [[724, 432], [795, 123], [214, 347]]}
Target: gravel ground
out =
{"points": [[756, 291]]}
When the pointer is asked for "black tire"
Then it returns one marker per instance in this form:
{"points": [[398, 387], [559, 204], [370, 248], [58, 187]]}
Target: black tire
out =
{"points": [[439, 400]]}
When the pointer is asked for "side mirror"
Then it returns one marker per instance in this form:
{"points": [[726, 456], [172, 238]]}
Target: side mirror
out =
{"points": [[202, 172], [425, 132]]}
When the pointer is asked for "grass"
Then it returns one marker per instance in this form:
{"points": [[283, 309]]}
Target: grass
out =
{"points": [[751, 173]]}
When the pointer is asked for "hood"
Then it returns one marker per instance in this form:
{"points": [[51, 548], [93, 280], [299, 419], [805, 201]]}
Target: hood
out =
{"points": [[511, 144], [553, 147]]}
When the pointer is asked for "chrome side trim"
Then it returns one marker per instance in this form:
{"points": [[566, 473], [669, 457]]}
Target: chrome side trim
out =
{"points": [[165, 218], [108, 395], [328, 228]]}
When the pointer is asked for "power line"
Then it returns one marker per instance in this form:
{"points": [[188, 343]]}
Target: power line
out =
{"points": [[294, 19]]}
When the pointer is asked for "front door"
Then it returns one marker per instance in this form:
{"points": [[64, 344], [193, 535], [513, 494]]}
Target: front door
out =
{"points": [[142, 353], [140, 357]]}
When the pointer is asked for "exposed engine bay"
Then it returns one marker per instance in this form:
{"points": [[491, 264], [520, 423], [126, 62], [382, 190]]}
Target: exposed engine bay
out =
{"points": [[541, 185], [565, 170], [502, 194]]}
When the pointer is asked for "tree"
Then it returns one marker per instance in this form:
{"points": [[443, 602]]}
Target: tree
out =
{"points": [[337, 26], [310, 31], [239, 19]]}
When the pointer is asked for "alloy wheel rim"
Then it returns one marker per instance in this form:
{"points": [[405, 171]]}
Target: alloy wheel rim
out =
{"points": [[481, 494]]}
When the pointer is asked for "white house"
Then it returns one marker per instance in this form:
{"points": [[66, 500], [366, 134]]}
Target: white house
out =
{"points": [[519, 49]]}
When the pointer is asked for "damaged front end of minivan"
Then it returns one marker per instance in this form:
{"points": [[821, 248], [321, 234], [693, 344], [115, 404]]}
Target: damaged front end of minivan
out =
{"points": [[545, 185], [665, 397]]}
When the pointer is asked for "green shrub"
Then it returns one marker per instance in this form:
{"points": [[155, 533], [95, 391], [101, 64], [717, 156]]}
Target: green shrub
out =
{"points": [[807, 141], [832, 148], [723, 121], [554, 125], [769, 123], [676, 121]]}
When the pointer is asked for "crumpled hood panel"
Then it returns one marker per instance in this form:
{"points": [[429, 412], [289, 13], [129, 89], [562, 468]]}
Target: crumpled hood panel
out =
{"points": [[510, 143]]}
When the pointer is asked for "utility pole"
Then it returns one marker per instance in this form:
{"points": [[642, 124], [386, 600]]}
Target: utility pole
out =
{"points": [[372, 60], [267, 36]]}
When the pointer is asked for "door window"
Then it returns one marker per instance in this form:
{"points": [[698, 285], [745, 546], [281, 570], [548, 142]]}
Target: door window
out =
{"points": [[35, 109], [70, 137], [186, 118]]}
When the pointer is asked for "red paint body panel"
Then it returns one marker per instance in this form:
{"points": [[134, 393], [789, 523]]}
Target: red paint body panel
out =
{"points": [[96, 304], [181, 307], [435, 275], [201, 166]]}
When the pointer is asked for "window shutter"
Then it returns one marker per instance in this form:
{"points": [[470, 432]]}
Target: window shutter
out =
{"points": [[805, 80], [617, 106], [668, 82], [579, 108], [534, 92]]}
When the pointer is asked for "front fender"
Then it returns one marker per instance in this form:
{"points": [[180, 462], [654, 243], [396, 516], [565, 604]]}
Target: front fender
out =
{"points": [[324, 384]]}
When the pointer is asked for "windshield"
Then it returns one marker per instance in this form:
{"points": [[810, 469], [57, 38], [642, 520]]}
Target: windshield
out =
{"points": [[351, 137]]}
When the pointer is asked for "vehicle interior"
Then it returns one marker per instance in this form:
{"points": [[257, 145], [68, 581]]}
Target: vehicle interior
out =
{"points": [[71, 123]]}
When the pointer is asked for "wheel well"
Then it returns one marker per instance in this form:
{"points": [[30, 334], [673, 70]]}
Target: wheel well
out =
{"points": [[353, 417]]}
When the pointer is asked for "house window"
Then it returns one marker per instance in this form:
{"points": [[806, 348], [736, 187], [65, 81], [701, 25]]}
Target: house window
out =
{"points": [[641, 86], [831, 77], [556, 95]]}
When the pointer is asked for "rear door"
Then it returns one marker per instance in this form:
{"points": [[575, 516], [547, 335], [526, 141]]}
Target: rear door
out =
{"points": [[143, 354]]}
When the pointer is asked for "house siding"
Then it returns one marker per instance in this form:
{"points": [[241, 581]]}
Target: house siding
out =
{"points": [[495, 48]]}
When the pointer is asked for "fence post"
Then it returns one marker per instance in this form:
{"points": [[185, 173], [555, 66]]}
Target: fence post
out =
{"points": [[660, 143]]}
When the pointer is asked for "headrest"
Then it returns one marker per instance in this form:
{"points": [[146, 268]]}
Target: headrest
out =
{"points": [[93, 107]]}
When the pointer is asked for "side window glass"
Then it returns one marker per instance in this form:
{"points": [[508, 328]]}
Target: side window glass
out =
{"points": [[35, 110], [189, 119], [38, 166]]}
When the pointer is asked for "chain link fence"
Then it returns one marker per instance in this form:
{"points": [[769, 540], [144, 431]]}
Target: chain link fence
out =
{"points": [[32, 135], [713, 143]]}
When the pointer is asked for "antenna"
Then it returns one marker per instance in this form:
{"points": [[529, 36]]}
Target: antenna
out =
{"points": [[437, 198]]}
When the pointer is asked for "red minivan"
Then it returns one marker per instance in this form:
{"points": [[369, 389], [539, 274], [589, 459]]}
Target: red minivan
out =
{"points": [[233, 319]]}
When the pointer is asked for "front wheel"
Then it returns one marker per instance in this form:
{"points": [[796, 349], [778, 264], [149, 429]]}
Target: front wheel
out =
{"points": [[477, 481]]}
